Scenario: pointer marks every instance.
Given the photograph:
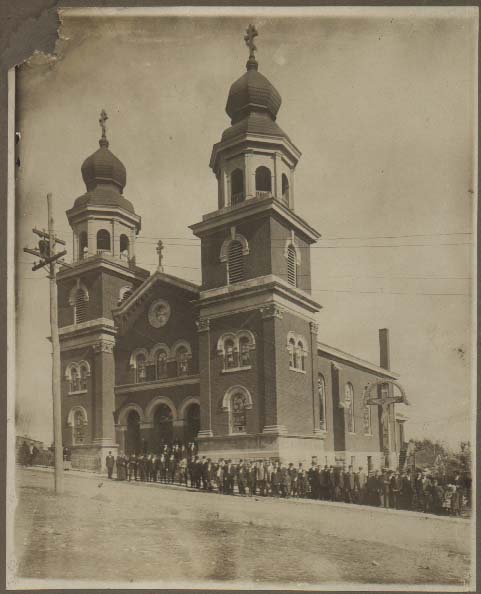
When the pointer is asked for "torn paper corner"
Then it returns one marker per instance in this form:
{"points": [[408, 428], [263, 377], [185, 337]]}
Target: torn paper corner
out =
{"points": [[41, 56]]}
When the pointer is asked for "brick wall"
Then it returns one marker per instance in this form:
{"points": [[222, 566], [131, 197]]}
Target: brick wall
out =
{"points": [[140, 334]]}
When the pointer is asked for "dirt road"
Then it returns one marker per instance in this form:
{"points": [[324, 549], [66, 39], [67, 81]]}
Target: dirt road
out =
{"points": [[118, 532]]}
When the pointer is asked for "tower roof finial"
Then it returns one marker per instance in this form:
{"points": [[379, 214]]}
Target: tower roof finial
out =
{"points": [[251, 33], [160, 249], [102, 121]]}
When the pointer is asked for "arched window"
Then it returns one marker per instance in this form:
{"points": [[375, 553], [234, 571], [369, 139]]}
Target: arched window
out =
{"points": [[74, 379], [301, 356], [367, 421], [83, 245], [263, 182], [80, 305], [285, 189], [79, 424], [244, 351], [238, 413], [84, 373], [182, 357], [349, 406], [237, 186], [103, 241], [321, 390], [292, 354], [140, 368], [230, 354], [124, 247], [161, 364], [235, 262], [292, 266]]}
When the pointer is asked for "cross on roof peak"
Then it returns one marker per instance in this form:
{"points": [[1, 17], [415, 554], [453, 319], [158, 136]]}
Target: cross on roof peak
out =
{"points": [[102, 121], [251, 33]]}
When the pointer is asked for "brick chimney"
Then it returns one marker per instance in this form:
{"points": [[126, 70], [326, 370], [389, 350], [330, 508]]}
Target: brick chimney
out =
{"points": [[384, 354]]}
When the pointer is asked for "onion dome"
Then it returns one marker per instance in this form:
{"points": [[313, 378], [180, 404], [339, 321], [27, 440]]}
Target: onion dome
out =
{"points": [[103, 166], [252, 92], [104, 175], [253, 101]]}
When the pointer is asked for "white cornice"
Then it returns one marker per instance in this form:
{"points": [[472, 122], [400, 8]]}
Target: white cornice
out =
{"points": [[253, 206], [260, 284], [105, 262], [79, 213], [254, 141]]}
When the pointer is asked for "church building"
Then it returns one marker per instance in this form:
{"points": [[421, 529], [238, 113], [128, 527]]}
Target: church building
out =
{"points": [[236, 363]]}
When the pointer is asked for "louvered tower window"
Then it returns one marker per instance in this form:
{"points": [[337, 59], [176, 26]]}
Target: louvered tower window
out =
{"points": [[80, 306], [291, 266], [235, 262]]}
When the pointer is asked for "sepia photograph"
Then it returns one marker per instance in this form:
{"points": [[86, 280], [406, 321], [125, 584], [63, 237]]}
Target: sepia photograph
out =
{"points": [[242, 300]]}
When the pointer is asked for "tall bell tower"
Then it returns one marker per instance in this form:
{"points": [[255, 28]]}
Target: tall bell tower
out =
{"points": [[257, 330], [103, 273]]}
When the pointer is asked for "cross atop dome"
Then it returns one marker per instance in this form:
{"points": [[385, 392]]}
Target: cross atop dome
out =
{"points": [[251, 33], [102, 121]]}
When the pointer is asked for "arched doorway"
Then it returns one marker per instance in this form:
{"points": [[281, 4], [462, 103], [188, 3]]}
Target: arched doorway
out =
{"points": [[133, 443], [163, 426], [192, 422]]}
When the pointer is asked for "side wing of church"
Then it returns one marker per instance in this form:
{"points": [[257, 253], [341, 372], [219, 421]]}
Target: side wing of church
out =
{"points": [[236, 364]]}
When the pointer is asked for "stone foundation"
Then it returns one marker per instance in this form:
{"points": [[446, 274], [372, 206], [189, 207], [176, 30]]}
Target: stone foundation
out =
{"points": [[91, 457], [283, 447]]}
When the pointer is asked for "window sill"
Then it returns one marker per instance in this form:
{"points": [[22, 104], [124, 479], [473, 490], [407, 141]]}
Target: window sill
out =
{"points": [[367, 434], [297, 370], [77, 392], [352, 433], [234, 369]]}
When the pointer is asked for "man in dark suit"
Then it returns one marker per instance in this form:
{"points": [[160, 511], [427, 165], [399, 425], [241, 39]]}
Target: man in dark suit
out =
{"points": [[229, 475], [349, 485], [312, 477], [110, 463]]}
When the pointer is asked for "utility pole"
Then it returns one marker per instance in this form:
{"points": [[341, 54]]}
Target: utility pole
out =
{"points": [[48, 257]]}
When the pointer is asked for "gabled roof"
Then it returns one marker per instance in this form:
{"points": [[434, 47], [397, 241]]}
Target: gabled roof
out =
{"points": [[355, 361], [143, 290]]}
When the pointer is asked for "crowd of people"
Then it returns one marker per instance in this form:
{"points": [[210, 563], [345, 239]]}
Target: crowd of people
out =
{"points": [[181, 464]]}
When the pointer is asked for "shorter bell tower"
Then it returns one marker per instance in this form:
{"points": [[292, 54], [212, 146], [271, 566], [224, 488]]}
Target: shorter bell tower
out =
{"points": [[102, 274]]}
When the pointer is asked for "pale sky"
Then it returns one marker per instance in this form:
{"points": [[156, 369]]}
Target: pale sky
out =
{"points": [[382, 104]]}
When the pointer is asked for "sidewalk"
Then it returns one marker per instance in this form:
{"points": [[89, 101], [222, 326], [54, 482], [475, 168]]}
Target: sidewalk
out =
{"points": [[329, 504]]}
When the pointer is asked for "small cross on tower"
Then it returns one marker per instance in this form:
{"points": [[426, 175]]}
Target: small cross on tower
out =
{"points": [[102, 121], [251, 33], [160, 249]]}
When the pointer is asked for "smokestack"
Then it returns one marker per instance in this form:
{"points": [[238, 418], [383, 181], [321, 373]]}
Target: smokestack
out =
{"points": [[384, 354]]}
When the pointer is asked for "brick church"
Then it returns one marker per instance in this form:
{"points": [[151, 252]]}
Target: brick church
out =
{"points": [[236, 363]]}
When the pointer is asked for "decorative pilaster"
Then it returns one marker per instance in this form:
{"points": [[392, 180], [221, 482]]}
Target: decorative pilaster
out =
{"points": [[278, 175], [313, 327], [114, 238], [104, 397], [249, 176], [203, 329]]}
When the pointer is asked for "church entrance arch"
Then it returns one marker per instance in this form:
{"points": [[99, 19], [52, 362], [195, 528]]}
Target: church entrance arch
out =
{"points": [[163, 426], [133, 443], [192, 421]]}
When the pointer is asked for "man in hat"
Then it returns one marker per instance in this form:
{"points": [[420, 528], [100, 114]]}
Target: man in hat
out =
{"points": [[109, 463]]}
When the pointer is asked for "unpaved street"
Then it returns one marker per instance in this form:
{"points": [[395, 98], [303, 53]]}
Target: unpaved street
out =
{"points": [[106, 530]]}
